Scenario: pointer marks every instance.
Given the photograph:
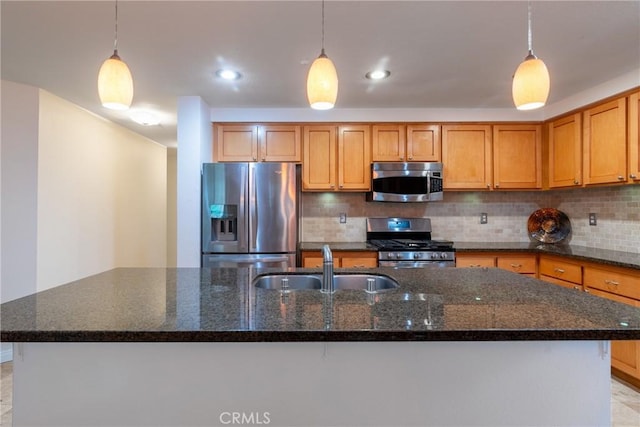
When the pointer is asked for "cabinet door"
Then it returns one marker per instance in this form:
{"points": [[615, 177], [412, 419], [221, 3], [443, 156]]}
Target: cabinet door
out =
{"points": [[354, 158], [605, 143], [634, 137], [236, 143], [565, 151], [517, 156], [625, 355], [388, 143], [466, 155], [319, 158], [280, 143], [424, 143]]}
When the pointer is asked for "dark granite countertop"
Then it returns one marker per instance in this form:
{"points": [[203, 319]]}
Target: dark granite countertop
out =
{"points": [[582, 253], [155, 305]]}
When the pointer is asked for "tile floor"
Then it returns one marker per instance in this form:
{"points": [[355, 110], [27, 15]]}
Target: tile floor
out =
{"points": [[625, 400]]}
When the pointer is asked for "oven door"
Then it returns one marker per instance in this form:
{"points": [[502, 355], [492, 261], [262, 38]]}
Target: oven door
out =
{"points": [[417, 264]]}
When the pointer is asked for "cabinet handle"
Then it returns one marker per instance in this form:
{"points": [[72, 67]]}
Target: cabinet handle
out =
{"points": [[332, 186], [255, 159], [611, 282], [497, 185], [410, 157], [558, 270], [516, 265], [632, 176], [576, 182], [341, 186], [488, 185], [577, 289], [620, 177]]}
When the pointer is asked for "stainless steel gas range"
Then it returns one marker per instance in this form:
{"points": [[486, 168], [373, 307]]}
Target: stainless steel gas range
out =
{"points": [[407, 243]]}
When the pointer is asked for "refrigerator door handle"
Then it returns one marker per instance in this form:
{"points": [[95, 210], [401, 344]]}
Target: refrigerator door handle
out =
{"points": [[253, 209]]}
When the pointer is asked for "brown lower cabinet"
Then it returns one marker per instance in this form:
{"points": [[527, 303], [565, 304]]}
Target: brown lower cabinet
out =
{"points": [[517, 262], [615, 283], [345, 259]]}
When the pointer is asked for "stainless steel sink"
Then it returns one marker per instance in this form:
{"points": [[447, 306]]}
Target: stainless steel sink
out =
{"points": [[288, 282], [292, 282], [360, 282]]}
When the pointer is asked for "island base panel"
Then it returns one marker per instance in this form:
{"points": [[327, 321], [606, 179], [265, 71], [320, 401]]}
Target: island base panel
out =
{"points": [[312, 383]]}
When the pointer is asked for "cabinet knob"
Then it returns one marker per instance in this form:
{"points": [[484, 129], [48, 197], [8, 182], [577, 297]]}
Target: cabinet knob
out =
{"points": [[633, 176], [255, 158], [620, 177], [488, 185], [410, 157], [341, 186], [497, 185], [332, 186], [576, 182]]}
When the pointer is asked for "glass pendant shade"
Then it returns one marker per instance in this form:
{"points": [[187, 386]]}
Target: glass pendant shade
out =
{"points": [[322, 83], [115, 84], [531, 83]]}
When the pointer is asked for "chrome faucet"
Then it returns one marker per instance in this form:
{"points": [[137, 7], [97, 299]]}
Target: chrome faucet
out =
{"points": [[327, 270]]}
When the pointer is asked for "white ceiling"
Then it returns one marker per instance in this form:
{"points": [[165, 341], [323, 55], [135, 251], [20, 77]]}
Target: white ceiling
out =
{"points": [[442, 54]]}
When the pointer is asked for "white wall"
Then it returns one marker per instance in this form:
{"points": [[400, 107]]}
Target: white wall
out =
{"points": [[101, 195], [19, 190], [172, 210], [194, 148]]}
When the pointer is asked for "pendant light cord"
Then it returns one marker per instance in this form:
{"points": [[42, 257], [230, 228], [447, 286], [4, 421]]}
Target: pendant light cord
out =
{"points": [[323, 26], [115, 37], [529, 37]]}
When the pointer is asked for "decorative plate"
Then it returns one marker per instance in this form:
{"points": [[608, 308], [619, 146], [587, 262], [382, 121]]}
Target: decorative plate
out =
{"points": [[548, 225]]}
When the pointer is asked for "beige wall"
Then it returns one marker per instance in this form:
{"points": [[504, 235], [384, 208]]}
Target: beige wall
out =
{"points": [[457, 217], [102, 195]]}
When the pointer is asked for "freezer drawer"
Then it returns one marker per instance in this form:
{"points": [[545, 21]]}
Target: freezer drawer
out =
{"points": [[283, 261]]}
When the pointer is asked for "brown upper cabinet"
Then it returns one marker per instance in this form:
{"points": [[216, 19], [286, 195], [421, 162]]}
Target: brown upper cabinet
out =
{"points": [[605, 142], [257, 143], [517, 156], [466, 157], [565, 151], [336, 158], [634, 137], [406, 143]]}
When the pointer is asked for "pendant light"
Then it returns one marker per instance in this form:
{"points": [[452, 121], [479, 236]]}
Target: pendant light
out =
{"points": [[115, 84], [322, 80], [530, 87]]}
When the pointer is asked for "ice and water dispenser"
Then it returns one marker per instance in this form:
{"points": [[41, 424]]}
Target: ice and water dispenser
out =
{"points": [[224, 223]]}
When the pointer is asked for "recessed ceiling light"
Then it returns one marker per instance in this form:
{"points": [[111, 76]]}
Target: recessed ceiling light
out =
{"points": [[228, 74], [145, 118], [378, 74]]}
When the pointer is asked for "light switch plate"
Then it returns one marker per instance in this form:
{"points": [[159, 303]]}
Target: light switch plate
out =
{"points": [[593, 219], [343, 218], [483, 218]]}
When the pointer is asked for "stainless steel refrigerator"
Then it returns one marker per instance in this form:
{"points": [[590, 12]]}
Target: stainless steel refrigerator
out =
{"points": [[249, 214]]}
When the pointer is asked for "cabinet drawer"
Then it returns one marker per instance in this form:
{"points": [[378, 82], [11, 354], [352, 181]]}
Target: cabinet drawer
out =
{"points": [[359, 262], [612, 281], [518, 263], [475, 260], [561, 270], [560, 282]]}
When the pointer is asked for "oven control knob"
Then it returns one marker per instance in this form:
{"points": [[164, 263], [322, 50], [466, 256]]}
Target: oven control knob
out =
{"points": [[434, 256], [417, 255], [443, 255]]}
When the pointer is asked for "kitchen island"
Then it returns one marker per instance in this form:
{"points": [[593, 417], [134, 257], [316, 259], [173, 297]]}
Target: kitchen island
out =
{"points": [[202, 346]]}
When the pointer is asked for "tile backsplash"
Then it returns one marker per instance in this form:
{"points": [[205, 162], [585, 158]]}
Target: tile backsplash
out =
{"points": [[457, 217]]}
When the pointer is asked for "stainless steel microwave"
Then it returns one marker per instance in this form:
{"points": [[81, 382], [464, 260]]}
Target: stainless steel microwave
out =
{"points": [[406, 182]]}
